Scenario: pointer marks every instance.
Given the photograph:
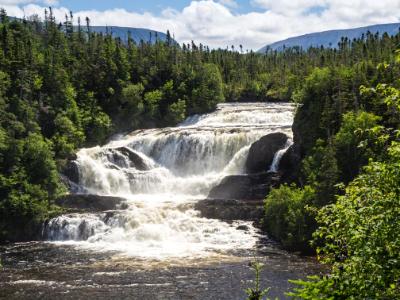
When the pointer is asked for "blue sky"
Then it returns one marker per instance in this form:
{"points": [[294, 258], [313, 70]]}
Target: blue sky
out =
{"points": [[221, 23], [154, 6]]}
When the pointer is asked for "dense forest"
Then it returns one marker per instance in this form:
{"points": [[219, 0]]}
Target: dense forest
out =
{"points": [[64, 87]]}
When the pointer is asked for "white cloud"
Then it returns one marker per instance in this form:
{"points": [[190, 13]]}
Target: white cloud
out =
{"points": [[215, 23]]}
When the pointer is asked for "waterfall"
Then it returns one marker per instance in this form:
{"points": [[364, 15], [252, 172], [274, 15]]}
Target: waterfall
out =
{"points": [[161, 173], [278, 155]]}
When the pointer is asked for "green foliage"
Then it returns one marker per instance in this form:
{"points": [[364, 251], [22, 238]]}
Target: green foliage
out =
{"points": [[256, 293], [359, 233], [359, 139], [176, 112], [28, 187], [288, 218], [361, 237], [67, 137], [152, 101], [321, 171], [207, 89], [314, 288]]}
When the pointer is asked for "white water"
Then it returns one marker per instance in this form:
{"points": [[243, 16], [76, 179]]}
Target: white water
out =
{"points": [[278, 155], [177, 167]]}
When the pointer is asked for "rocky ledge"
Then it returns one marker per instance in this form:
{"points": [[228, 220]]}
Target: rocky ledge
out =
{"points": [[90, 203], [245, 187], [231, 209]]}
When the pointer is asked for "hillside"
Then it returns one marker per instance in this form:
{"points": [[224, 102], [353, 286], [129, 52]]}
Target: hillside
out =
{"points": [[137, 34], [331, 38]]}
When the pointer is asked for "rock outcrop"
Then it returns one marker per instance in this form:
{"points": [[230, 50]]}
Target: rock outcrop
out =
{"points": [[119, 155], [262, 152], [71, 171], [230, 209], [90, 203], [289, 165], [244, 187]]}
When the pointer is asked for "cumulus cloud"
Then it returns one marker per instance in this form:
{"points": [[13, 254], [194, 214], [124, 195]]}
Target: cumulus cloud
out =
{"points": [[215, 23]]}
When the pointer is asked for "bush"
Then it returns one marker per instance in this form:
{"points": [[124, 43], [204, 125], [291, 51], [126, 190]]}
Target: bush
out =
{"points": [[361, 235], [288, 217]]}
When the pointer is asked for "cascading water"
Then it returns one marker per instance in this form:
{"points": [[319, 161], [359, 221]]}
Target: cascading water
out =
{"points": [[161, 173], [278, 155]]}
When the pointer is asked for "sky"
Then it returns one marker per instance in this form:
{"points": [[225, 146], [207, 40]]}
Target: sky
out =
{"points": [[221, 23]]}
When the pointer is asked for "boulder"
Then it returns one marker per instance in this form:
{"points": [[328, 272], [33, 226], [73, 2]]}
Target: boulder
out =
{"points": [[289, 165], [134, 159], [232, 187], [90, 203], [244, 187], [73, 188], [262, 152], [71, 171]]}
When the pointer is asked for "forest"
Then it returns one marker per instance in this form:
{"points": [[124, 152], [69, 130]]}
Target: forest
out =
{"points": [[64, 87]]}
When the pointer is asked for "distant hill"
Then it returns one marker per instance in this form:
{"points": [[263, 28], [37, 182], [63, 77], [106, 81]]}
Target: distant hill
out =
{"points": [[331, 38], [137, 34]]}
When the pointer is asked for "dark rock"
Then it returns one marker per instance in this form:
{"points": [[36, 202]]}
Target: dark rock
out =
{"points": [[73, 188], [261, 153], [71, 171], [91, 203], [243, 227], [231, 187], [244, 187], [135, 160], [231, 209], [289, 165], [72, 156]]}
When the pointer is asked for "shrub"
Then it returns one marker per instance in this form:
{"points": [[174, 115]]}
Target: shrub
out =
{"points": [[361, 235], [288, 217]]}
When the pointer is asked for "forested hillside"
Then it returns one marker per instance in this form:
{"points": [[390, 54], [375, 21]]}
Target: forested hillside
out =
{"points": [[331, 38]]}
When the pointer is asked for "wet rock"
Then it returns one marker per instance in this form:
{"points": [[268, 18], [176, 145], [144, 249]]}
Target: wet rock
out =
{"points": [[91, 203], [231, 209], [72, 187], [134, 159], [71, 171], [262, 152], [243, 227], [244, 187], [231, 187], [289, 165]]}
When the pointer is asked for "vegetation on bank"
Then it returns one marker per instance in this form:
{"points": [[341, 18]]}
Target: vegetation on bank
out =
{"points": [[360, 237], [347, 198]]}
